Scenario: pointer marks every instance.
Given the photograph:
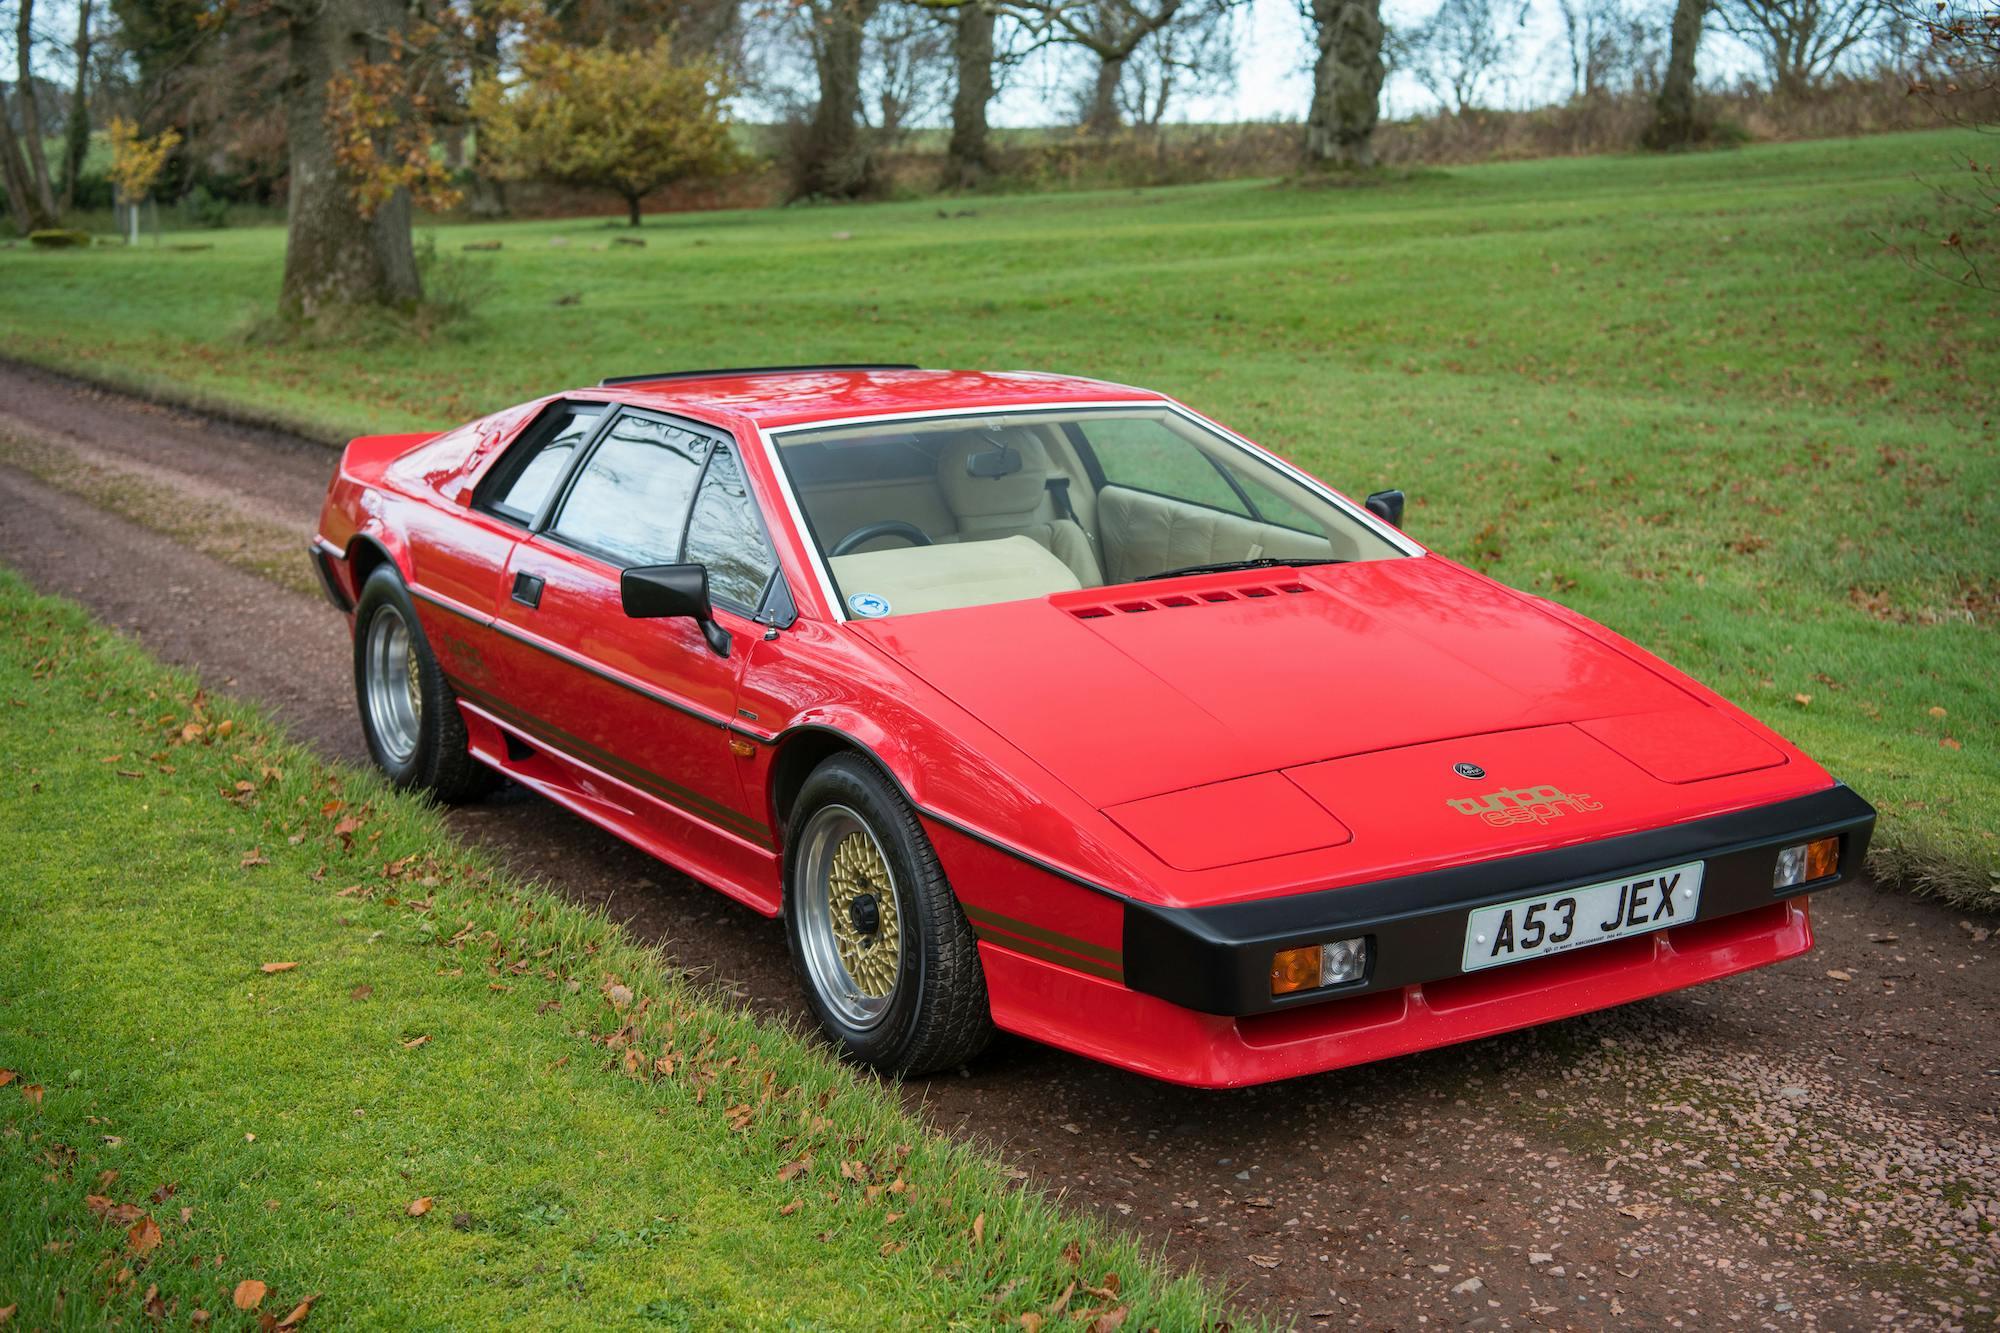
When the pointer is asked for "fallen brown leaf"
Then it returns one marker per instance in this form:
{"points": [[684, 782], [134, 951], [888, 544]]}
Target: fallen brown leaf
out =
{"points": [[7, 1076], [249, 1294], [418, 1207], [7, 1312], [254, 857], [32, 1093], [791, 1208], [361, 992], [1265, 1260], [1110, 1319], [415, 1042], [792, 1169], [979, 1231], [1032, 1322], [298, 1314], [144, 1237], [277, 967], [1839, 975]]}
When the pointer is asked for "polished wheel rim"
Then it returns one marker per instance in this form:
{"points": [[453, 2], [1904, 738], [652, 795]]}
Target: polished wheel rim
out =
{"points": [[851, 928], [395, 684]]}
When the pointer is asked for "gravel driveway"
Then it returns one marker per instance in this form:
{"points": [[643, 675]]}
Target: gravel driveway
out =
{"points": [[1809, 1146]]}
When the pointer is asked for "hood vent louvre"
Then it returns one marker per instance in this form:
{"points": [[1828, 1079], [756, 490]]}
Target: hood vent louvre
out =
{"points": [[1174, 601]]}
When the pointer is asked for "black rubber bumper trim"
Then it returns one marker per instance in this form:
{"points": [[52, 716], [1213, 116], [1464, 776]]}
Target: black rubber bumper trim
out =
{"points": [[1218, 959]]}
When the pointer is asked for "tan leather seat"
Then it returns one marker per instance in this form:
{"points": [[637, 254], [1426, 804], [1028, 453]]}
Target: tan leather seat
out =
{"points": [[1016, 505]]}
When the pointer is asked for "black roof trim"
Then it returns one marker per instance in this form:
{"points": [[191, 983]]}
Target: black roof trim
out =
{"points": [[616, 380]]}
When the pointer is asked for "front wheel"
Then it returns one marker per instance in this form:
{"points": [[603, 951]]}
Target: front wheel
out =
{"points": [[408, 713], [890, 966]]}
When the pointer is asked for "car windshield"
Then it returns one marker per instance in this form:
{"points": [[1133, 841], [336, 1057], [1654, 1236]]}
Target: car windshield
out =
{"points": [[924, 514]]}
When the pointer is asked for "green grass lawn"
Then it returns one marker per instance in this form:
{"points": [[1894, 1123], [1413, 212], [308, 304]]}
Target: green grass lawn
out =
{"points": [[1694, 397], [261, 1022]]}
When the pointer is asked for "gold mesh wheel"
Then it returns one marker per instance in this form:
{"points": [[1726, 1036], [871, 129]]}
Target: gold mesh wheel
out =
{"points": [[850, 922]]}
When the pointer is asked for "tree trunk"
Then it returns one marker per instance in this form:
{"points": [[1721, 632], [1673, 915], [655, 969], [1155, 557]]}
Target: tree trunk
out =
{"points": [[21, 202], [335, 256], [1674, 122], [632, 214], [76, 133], [835, 158], [1347, 84], [1102, 117], [969, 157], [31, 111]]}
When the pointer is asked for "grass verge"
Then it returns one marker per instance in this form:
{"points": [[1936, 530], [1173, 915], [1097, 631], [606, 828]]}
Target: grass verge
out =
{"points": [[1693, 397], [263, 1023]]}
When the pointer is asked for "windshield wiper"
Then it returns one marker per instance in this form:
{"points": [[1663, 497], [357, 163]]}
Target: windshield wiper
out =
{"points": [[1230, 566]]}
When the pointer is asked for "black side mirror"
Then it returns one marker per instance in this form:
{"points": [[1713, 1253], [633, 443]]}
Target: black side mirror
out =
{"points": [[1387, 506], [653, 592]]}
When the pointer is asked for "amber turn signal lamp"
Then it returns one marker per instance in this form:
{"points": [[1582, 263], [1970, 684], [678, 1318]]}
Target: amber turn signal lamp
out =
{"points": [[1295, 970], [1806, 862]]}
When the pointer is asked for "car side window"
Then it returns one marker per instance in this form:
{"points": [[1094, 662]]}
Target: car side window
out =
{"points": [[519, 484], [629, 502], [724, 534], [1144, 455]]}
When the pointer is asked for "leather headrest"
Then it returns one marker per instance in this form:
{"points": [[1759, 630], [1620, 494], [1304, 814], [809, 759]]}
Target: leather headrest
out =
{"points": [[1018, 493]]}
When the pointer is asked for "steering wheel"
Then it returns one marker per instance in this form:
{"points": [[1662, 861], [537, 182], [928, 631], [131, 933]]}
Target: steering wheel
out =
{"points": [[884, 527]]}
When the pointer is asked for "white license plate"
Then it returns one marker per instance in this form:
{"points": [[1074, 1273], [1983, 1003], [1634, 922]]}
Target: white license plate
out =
{"points": [[1580, 917]]}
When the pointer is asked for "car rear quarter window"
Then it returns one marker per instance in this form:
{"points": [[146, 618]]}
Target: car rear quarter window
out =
{"points": [[520, 483], [630, 500], [724, 534], [1143, 455]]}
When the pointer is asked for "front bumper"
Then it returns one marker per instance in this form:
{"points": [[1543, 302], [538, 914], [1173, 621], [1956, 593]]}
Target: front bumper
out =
{"points": [[1217, 960]]}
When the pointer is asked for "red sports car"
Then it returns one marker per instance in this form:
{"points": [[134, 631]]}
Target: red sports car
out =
{"points": [[1047, 704]]}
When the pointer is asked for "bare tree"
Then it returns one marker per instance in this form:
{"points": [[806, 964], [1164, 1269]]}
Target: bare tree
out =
{"points": [[1347, 82], [1801, 41], [1960, 78], [1110, 30], [1455, 52], [28, 111], [1610, 47], [1675, 122], [969, 155], [835, 154], [1184, 57], [905, 58], [76, 130]]}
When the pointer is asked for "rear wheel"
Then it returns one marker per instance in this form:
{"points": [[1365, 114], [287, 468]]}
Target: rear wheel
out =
{"points": [[408, 713], [890, 966]]}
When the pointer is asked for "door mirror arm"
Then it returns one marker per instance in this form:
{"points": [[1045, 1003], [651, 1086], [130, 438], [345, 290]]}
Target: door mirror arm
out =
{"points": [[656, 592]]}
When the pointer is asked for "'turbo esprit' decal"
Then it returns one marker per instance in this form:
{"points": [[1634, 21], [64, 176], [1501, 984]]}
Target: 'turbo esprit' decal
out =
{"points": [[1521, 805]]}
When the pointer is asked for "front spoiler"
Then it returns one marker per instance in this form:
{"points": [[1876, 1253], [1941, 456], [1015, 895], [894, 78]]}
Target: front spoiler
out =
{"points": [[1217, 960]]}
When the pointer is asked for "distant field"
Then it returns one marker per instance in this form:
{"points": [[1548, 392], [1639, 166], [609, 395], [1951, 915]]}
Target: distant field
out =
{"points": [[1692, 397]]}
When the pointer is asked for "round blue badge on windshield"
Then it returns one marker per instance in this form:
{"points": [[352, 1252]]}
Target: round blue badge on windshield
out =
{"points": [[868, 605]]}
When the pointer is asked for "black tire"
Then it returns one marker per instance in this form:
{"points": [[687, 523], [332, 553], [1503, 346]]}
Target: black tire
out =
{"points": [[434, 757], [937, 1015]]}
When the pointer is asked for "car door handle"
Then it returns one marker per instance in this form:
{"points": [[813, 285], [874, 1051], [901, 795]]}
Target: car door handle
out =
{"points": [[528, 589]]}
